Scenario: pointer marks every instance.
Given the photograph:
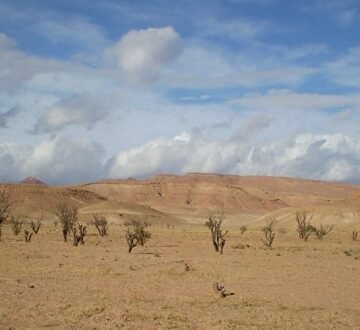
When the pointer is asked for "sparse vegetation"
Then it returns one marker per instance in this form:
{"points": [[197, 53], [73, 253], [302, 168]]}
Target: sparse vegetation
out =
{"points": [[354, 235], [35, 226], [67, 216], [217, 235], [219, 288], [304, 229], [5, 206], [269, 234], [101, 224], [16, 225], [322, 231], [27, 236], [79, 233], [137, 235]]}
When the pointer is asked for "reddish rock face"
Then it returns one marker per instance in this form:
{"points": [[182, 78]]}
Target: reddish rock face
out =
{"points": [[32, 180]]}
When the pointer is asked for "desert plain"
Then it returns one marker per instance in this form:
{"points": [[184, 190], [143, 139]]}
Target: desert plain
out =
{"points": [[168, 283]]}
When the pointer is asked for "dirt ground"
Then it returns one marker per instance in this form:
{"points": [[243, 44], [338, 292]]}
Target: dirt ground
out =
{"points": [[168, 284]]}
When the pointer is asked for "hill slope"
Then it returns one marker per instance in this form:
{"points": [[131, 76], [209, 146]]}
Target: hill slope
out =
{"points": [[170, 199]]}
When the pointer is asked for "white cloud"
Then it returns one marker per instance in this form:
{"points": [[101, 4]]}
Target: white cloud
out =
{"points": [[57, 161], [346, 69], [284, 99], [328, 157], [142, 53], [209, 67], [77, 110], [6, 116]]}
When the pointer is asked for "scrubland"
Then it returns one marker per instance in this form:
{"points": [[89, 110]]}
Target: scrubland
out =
{"points": [[168, 283]]}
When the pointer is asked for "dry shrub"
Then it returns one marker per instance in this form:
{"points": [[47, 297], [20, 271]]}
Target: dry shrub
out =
{"points": [[67, 216], [217, 235], [16, 225], [304, 229], [269, 234], [101, 224], [137, 235]]}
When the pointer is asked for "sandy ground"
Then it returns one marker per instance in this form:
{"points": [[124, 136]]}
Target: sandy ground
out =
{"points": [[296, 285]]}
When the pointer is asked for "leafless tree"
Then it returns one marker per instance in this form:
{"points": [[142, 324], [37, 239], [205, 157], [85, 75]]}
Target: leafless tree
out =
{"points": [[269, 234], [67, 216], [304, 229], [214, 223], [137, 235], [101, 224], [5, 206]]}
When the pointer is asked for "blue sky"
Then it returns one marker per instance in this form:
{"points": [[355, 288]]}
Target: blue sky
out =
{"points": [[117, 89]]}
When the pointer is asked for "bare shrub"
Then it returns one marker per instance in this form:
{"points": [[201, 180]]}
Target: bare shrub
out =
{"points": [[5, 206], [269, 234], [219, 288], [16, 225], [322, 231], [243, 229], [131, 239], [217, 235], [137, 235], [27, 236], [67, 216], [304, 229], [79, 233], [354, 235], [101, 224], [35, 226]]}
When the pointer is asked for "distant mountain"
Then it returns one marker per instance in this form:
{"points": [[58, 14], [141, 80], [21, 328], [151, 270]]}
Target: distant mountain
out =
{"points": [[32, 180]]}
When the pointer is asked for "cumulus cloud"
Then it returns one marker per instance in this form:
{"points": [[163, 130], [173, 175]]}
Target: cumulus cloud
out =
{"points": [[76, 110], [142, 53], [57, 161], [328, 157]]}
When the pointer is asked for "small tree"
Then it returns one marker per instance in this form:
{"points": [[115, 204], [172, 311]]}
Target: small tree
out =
{"points": [[217, 235], [5, 206], [322, 231], [137, 235], [101, 224], [67, 216], [35, 226], [304, 229], [269, 234], [16, 225]]}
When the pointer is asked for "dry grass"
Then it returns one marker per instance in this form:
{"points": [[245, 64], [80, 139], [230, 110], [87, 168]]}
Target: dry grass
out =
{"points": [[304, 285]]}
